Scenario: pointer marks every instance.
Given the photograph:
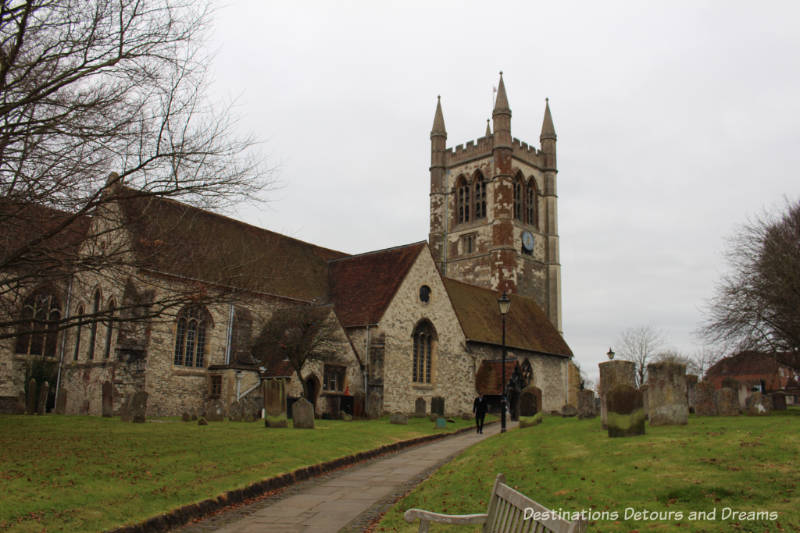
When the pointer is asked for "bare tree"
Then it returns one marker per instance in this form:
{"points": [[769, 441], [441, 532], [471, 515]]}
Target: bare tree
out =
{"points": [[757, 305], [704, 358], [297, 334], [640, 345], [674, 356], [88, 87]]}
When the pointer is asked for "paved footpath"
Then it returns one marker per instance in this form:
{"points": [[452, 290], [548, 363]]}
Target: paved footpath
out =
{"points": [[347, 500]]}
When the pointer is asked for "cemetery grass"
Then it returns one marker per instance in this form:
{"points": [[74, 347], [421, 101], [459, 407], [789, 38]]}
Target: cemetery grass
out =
{"points": [[739, 463], [71, 473]]}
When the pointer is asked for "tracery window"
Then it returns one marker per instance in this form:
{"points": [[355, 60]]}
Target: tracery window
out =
{"points": [[480, 196], [78, 332], [518, 198], [424, 343], [93, 330], [190, 336], [109, 327], [530, 203], [37, 333], [462, 209]]}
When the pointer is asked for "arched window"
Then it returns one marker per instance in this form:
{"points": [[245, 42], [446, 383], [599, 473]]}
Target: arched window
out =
{"points": [[480, 196], [527, 373], [93, 330], [424, 339], [37, 333], [530, 203], [78, 332], [109, 327], [190, 336], [462, 192], [518, 197]]}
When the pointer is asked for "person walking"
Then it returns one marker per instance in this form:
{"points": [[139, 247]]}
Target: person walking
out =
{"points": [[479, 409]]}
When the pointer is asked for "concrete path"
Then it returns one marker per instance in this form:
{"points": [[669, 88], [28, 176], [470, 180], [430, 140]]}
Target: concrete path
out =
{"points": [[347, 500]]}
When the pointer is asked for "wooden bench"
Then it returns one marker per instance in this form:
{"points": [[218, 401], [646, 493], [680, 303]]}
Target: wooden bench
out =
{"points": [[506, 513]]}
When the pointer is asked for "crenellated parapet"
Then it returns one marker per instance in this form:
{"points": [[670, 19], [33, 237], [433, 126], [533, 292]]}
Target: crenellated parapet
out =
{"points": [[479, 148], [528, 153]]}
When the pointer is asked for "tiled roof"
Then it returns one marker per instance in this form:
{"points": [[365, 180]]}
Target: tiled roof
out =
{"points": [[489, 378], [527, 327], [362, 286], [753, 363], [174, 238]]}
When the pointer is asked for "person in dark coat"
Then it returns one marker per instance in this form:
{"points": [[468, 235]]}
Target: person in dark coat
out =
{"points": [[479, 408]]}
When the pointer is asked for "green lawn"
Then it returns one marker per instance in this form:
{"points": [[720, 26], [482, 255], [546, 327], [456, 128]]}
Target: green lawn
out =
{"points": [[740, 464], [69, 473]]}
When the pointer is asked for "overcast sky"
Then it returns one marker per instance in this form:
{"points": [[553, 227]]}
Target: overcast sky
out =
{"points": [[676, 121]]}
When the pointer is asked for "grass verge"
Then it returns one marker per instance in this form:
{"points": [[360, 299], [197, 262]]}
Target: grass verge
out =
{"points": [[65, 473], [721, 465]]}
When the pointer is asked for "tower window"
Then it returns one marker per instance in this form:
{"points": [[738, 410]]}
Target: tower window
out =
{"points": [[530, 203], [480, 196], [517, 199], [468, 243], [462, 190]]}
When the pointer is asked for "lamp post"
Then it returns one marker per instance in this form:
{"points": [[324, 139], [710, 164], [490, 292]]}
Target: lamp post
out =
{"points": [[505, 303], [610, 354]]}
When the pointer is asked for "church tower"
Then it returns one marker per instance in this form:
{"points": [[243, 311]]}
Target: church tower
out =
{"points": [[493, 218]]}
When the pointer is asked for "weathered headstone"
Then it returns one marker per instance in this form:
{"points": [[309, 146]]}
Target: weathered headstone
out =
{"points": [[625, 416], [398, 418], [568, 411], [374, 405], [613, 373], [194, 413], [215, 411], [202, 421], [43, 392], [235, 411], [186, 417], [727, 401], [586, 404], [346, 417], [666, 394], [778, 401], [704, 404], [441, 423], [108, 399], [420, 408], [251, 409], [691, 391], [138, 408], [530, 401], [61, 402], [758, 404], [30, 400], [437, 405], [275, 404], [125, 410], [303, 414]]}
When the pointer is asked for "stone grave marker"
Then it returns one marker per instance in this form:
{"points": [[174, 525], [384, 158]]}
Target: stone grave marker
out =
{"points": [[420, 408], [727, 401], [704, 404], [303, 414], [251, 409], [138, 408], [568, 411], [625, 415], [61, 402], [43, 392], [275, 404], [202, 421], [215, 411], [437, 405], [758, 404], [374, 405], [108, 399], [530, 401], [125, 410], [586, 404], [194, 413], [399, 418], [667, 402], [613, 373], [691, 391], [235, 411], [186, 417], [30, 400], [441, 423], [778, 401]]}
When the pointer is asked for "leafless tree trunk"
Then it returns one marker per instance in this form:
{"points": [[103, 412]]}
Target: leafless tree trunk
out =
{"points": [[640, 345]]}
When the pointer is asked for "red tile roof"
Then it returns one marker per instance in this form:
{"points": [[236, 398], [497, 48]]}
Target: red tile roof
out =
{"points": [[753, 363], [362, 286], [174, 238], [527, 327]]}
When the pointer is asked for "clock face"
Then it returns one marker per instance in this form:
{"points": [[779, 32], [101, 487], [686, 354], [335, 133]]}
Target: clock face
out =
{"points": [[527, 240]]}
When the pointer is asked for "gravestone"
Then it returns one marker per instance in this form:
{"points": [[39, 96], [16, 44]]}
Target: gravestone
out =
{"points": [[45, 390], [235, 411], [275, 404], [704, 404], [568, 411], [399, 418], [108, 400], [420, 408], [194, 413], [613, 373], [303, 414], [530, 401], [186, 417], [778, 401], [138, 409], [691, 391], [61, 402], [667, 402], [202, 421], [727, 401], [125, 410], [374, 405], [441, 423], [758, 404], [30, 400], [215, 411], [625, 416], [437, 405], [251, 409], [586, 404]]}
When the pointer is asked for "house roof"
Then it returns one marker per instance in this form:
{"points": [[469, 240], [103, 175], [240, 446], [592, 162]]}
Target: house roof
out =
{"points": [[753, 363], [489, 378], [174, 238], [362, 286], [527, 327]]}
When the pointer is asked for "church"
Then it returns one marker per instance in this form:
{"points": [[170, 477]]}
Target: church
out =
{"points": [[411, 322]]}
